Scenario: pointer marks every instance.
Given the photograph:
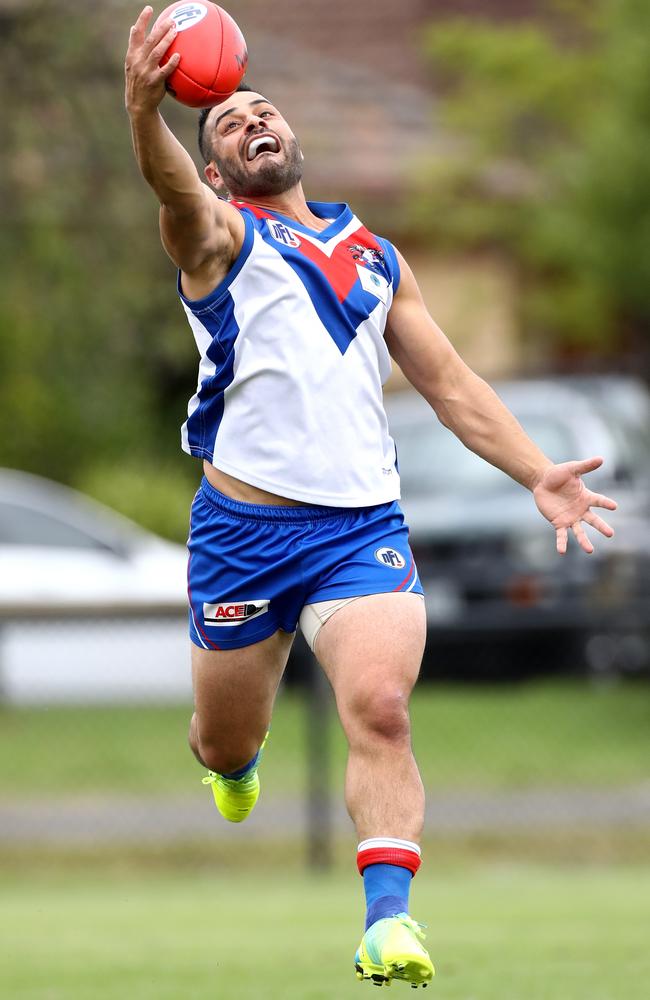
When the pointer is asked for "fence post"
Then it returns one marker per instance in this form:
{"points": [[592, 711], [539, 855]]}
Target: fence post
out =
{"points": [[3, 633], [319, 805]]}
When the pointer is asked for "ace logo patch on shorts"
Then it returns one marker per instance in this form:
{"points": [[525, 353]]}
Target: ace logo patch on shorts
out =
{"points": [[233, 613]]}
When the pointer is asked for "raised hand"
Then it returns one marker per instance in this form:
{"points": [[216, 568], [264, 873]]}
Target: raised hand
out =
{"points": [[145, 79], [565, 501]]}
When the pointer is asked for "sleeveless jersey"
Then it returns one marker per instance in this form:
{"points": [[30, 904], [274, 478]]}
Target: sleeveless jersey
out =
{"points": [[293, 359]]}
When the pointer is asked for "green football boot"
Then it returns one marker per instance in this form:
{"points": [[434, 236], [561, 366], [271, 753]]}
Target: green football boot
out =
{"points": [[235, 798], [390, 949]]}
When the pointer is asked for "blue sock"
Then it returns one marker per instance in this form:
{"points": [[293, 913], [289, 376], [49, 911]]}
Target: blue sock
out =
{"points": [[387, 891], [243, 771]]}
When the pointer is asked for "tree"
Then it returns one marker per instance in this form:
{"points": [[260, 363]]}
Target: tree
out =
{"points": [[95, 355], [551, 162]]}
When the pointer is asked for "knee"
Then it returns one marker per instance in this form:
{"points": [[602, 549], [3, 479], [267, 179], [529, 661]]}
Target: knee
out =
{"points": [[220, 755], [222, 761], [225, 760], [380, 714]]}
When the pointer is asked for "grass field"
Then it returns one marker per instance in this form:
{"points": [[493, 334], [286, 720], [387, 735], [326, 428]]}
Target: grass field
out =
{"points": [[208, 921], [495, 932], [489, 738]]}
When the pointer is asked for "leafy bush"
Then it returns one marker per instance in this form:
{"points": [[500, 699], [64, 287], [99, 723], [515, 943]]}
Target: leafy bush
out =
{"points": [[551, 161]]}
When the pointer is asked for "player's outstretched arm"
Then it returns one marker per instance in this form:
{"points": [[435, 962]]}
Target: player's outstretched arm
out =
{"points": [[470, 408], [195, 224]]}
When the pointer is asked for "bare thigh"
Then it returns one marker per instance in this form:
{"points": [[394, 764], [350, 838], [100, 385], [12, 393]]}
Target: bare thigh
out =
{"points": [[371, 651], [234, 693]]}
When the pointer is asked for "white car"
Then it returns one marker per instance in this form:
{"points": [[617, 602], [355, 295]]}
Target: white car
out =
{"points": [[92, 607]]}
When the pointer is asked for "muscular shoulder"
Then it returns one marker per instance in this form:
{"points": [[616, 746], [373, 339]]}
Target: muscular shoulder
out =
{"points": [[203, 244]]}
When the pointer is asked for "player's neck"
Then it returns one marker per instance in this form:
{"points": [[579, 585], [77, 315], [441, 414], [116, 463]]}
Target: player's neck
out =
{"points": [[291, 204]]}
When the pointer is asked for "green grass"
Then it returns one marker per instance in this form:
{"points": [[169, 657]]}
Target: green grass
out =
{"points": [[495, 932], [488, 738]]}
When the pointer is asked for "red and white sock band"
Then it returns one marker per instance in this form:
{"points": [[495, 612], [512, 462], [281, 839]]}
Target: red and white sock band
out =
{"points": [[388, 851]]}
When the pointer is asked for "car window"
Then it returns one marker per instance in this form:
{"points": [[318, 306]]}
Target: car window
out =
{"points": [[23, 526], [432, 460], [632, 448]]}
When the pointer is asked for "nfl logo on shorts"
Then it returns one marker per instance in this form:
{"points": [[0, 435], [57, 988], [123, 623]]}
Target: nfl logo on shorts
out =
{"points": [[390, 557]]}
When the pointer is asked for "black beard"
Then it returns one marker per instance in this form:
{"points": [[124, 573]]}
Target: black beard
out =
{"points": [[273, 177]]}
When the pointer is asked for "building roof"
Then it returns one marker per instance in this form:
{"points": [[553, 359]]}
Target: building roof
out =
{"points": [[353, 81], [352, 84]]}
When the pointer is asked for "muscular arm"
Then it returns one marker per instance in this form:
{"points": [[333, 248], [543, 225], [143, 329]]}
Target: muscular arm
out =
{"points": [[463, 402], [198, 231], [472, 410]]}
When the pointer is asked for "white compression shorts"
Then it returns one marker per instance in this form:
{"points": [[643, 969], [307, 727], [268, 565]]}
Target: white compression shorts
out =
{"points": [[314, 616]]}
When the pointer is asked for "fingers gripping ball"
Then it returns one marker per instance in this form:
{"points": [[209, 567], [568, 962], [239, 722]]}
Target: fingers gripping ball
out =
{"points": [[212, 50]]}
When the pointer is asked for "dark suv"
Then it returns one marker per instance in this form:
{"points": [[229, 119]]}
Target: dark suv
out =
{"points": [[499, 600]]}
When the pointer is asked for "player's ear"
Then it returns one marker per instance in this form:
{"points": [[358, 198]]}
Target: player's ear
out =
{"points": [[213, 176]]}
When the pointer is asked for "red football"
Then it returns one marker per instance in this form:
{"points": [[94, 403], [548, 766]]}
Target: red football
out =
{"points": [[213, 54]]}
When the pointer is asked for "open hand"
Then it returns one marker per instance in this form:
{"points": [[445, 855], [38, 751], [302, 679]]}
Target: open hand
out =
{"points": [[145, 78], [565, 501]]}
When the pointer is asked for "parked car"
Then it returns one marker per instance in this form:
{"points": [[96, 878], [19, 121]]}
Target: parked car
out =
{"points": [[61, 547], [92, 606], [493, 580]]}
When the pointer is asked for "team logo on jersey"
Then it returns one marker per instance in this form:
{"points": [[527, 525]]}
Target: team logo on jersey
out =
{"points": [[234, 613], [188, 14], [365, 254], [374, 283], [282, 233], [390, 557]]}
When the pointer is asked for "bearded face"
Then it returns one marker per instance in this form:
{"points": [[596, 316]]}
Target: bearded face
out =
{"points": [[269, 172], [254, 150]]}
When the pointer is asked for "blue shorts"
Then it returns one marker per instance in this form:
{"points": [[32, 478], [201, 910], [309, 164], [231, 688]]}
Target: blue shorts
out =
{"points": [[252, 569]]}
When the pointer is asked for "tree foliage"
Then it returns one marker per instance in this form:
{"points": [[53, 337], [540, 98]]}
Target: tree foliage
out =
{"points": [[551, 161], [96, 360]]}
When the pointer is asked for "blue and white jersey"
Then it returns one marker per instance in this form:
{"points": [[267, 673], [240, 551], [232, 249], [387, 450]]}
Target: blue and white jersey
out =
{"points": [[293, 360]]}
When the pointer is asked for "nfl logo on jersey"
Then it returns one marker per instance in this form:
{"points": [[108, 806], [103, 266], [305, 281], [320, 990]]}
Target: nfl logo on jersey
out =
{"points": [[282, 233]]}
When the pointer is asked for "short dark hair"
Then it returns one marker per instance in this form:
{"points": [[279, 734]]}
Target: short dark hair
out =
{"points": [[204, 141]]}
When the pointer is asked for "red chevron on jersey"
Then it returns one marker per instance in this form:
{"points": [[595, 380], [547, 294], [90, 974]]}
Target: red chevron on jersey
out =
{"points": [[341, 267]]}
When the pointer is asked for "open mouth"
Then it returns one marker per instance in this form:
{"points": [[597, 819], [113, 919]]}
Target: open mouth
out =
{"points": [[266, 143]]}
